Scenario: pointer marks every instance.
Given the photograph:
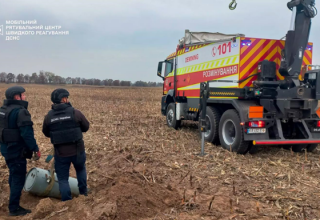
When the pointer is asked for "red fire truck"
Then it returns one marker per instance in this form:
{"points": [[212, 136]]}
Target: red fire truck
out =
{"points": [[257, 91]]}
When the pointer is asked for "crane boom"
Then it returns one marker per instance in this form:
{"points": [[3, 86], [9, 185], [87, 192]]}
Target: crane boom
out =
{"points": [[296, 39]]}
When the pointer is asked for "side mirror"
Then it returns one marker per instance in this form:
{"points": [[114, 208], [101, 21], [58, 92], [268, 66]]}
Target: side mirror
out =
{"points": [[160, 70]]}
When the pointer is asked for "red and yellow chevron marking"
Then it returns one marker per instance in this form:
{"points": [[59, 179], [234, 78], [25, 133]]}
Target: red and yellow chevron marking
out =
{"points": [[185, 50], [171, 55], [189, 49], [307, 59], [259, 50], [250, 56]]}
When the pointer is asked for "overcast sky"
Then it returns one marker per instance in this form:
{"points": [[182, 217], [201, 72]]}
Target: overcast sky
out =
{"points": [[125, 39]]}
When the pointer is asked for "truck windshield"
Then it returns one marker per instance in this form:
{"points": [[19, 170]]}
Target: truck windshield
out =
{"points": [[169, 67]]}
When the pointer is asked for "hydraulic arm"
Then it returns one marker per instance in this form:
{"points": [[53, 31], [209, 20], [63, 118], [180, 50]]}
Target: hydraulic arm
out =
{"points": [[297, 39]]}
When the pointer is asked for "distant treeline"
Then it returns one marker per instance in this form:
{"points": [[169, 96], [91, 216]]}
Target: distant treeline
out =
{"points": [[45, 77]]}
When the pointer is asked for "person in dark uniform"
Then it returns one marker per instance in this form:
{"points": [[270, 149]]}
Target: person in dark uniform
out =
{"points": [[64, 126], [17, 144]]}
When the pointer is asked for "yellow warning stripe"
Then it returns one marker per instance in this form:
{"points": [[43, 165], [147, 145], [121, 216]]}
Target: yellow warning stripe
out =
{"points": [[189, 89], [254, 62], [256, 59], [191, 48], [252, 51], [305, 60], [171, 56], [222, 97], [226, 61], [309, 53], [183, 88], [222, 93], [243, 49], [212, 97], [228, 87], [278, 61], [170, 74]]}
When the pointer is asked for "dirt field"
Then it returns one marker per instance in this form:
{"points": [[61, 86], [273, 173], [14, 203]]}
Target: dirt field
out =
{"points": [[138, 168]]}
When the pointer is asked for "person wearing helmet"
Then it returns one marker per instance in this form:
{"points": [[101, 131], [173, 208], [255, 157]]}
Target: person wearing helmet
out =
{"points": [[17, 143], [64, 126]]}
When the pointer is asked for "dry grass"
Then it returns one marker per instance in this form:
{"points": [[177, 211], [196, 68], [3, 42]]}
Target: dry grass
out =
{"points": [[144, 170]]}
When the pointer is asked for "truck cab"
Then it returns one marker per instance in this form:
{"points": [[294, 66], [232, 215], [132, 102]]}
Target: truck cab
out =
{"points": [[166, 71]]}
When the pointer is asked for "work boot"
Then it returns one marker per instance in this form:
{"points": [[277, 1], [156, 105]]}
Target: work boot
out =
{"points": [[27, 210], [86, 193], [20, 211]]}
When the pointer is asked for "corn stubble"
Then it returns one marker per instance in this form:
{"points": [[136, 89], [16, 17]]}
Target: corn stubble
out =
{"points": [[145, 170]]}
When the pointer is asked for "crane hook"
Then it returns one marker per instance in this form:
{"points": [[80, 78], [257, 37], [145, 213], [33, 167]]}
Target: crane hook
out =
{"points": [[233, 5]]}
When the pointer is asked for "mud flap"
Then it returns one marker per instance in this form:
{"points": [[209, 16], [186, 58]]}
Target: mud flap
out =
{"points": [[163, 105]]}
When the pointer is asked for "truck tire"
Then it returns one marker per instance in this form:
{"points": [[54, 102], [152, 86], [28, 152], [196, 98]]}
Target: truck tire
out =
{"points": [[171, 117], [213, 117], [231, 133], [252, 149], [312, 147], [302, 147]]}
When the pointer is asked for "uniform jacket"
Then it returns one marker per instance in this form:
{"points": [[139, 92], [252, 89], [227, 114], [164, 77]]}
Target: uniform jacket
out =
{"points": [[21, 119], [67, 150]]}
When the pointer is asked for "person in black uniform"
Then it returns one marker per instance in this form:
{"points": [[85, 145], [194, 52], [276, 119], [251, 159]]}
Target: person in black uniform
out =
{"points": [[17, 144], [64, 125]]}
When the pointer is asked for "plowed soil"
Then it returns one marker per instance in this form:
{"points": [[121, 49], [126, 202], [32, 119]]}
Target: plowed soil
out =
{"points": [[139, 168]]}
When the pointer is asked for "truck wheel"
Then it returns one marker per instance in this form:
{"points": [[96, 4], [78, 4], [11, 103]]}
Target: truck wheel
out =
{"points": [[212, 118], [298, 147], [231, 133], [302, 147], [171, 117], [252, 149], [312, 147]]}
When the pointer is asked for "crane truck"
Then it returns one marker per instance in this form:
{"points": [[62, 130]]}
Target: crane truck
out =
{"points": [[245, 91]]}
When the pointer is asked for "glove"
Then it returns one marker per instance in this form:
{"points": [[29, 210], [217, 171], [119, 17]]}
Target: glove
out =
{"points": [[36, 155], [50, 156]]}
